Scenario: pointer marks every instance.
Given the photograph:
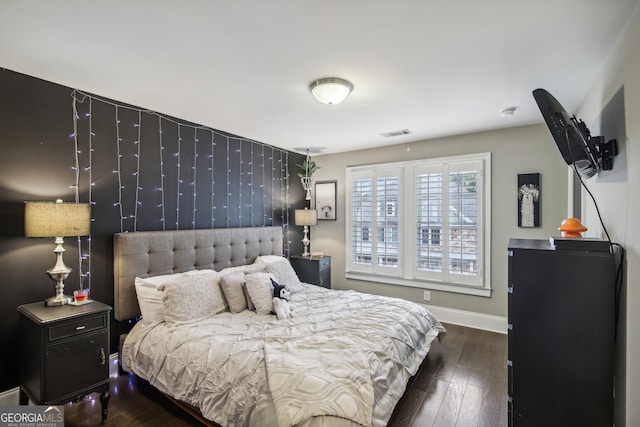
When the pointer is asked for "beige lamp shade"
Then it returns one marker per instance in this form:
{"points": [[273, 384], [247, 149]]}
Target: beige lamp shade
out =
{"points": [[56, 219], [306, 217]]}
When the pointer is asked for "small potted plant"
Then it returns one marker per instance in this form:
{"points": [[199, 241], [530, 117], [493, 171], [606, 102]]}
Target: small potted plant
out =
{"points": [[308, 168]]}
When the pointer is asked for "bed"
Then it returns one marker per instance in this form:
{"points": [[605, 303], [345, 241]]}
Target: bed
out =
{"points": [[343, 359]]}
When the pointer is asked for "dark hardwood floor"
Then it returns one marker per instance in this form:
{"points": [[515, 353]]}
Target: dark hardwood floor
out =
{"points": [[462, 383]]}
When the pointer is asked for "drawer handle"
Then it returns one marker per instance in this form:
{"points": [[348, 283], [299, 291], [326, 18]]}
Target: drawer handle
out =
{"points": [[79, 328], [103, 357]]}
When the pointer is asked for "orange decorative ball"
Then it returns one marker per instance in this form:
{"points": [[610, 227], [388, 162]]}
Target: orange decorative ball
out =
{"points": [[572, 227]]}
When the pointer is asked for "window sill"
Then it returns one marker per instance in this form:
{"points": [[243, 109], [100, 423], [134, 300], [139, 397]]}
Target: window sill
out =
{"points": [[422, 284]]}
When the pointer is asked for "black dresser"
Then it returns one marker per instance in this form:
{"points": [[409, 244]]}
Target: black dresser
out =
{"points": [[561, 303], [64, 353]]}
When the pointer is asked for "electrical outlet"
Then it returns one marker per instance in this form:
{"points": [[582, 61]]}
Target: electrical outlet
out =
{"points": [[427, 295]]}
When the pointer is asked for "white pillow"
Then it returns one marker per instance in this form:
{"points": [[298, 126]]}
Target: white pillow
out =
{"points": [[150, 297], [261, 291], [246, 269], [233, 289], [192, 297], [284, 272], [247, 297]]}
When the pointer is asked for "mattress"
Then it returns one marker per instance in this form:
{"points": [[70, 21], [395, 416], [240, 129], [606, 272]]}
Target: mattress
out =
{"points": [[235, 367]]}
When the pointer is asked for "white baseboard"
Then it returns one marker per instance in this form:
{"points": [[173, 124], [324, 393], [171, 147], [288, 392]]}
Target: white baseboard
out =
{"points": [[11, 397], [486, 322]]}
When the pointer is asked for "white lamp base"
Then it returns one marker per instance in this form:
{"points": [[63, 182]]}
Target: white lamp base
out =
{"points": [[306, 241], [58, 300], [58, 273]]}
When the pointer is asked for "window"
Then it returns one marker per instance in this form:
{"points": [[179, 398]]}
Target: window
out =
{"points": [[430, 236], [427, 223], [391, 208], [365, 234], [435, 236]]}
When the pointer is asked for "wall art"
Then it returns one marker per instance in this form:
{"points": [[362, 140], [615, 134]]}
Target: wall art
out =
{"points": [[326, 199], [529, 200]]}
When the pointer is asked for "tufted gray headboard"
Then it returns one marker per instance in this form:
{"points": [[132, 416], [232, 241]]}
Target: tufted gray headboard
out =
{"points": [[151, 253]]}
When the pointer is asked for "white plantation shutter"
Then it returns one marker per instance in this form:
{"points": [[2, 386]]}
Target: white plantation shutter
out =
{"points": [[449, 223], [374, 225], [361, 220], [445, 205], [387, 196], [464, 220], [429, 208]]}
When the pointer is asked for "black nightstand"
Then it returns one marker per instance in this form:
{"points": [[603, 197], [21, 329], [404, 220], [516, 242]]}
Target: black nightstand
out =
{"points": [[64, 353], [316, 271]]}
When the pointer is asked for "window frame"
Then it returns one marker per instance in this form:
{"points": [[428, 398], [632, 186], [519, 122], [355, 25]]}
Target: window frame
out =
{"points": [[407, 273]]}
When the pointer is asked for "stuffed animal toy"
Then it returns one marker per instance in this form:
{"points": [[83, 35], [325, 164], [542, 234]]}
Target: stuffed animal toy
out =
{"points": [[281, 298]]}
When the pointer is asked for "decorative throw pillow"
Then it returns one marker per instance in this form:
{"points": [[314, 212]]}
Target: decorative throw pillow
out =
{"points": [[247, 297], [192, 297], [285, 274], [233, 289], [150, 296], [260, 291]]}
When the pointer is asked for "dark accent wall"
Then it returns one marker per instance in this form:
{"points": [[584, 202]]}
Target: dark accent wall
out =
{"points": [[189, 176]]}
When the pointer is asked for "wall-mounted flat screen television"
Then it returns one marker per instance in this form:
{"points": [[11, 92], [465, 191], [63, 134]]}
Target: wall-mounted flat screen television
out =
{"points": [[588, 154]]}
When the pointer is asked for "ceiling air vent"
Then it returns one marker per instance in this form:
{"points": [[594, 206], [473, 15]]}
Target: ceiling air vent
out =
{"points": [[396, 133]]}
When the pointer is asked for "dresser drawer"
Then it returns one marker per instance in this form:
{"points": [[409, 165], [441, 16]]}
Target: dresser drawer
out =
{"points": [[76, 326]]}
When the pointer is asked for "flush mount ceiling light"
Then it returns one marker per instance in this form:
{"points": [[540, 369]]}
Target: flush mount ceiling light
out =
{"points": [[330, 90]]}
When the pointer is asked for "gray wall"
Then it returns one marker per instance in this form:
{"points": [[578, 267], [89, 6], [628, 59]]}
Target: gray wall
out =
{"points": [[612, 107], [515, 150]]}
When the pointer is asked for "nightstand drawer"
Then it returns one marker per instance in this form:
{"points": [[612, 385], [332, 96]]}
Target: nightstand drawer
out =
{"points": [[77, 326]]}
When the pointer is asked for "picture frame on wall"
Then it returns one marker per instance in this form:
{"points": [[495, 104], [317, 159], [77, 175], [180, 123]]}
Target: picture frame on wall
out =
{"points": [[529, 200], [325, 193]]}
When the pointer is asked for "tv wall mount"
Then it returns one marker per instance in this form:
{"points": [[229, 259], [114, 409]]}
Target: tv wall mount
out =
{"points": [[587, 154]]}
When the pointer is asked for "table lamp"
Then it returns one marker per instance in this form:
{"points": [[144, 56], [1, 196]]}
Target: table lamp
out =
{"points": [[306, 217], [58, 220]]}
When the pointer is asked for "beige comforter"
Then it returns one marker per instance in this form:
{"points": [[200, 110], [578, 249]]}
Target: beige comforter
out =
{"points": [[229, 365]]}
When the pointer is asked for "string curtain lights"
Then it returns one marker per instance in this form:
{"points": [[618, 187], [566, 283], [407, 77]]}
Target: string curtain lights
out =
{"points": [[166, 169]]}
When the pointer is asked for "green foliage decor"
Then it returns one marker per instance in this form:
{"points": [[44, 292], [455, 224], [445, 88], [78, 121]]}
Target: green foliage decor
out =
{"points": [[308, 167]]}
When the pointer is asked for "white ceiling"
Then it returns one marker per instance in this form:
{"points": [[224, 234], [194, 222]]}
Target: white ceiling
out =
{"points": [[437, 68]]}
